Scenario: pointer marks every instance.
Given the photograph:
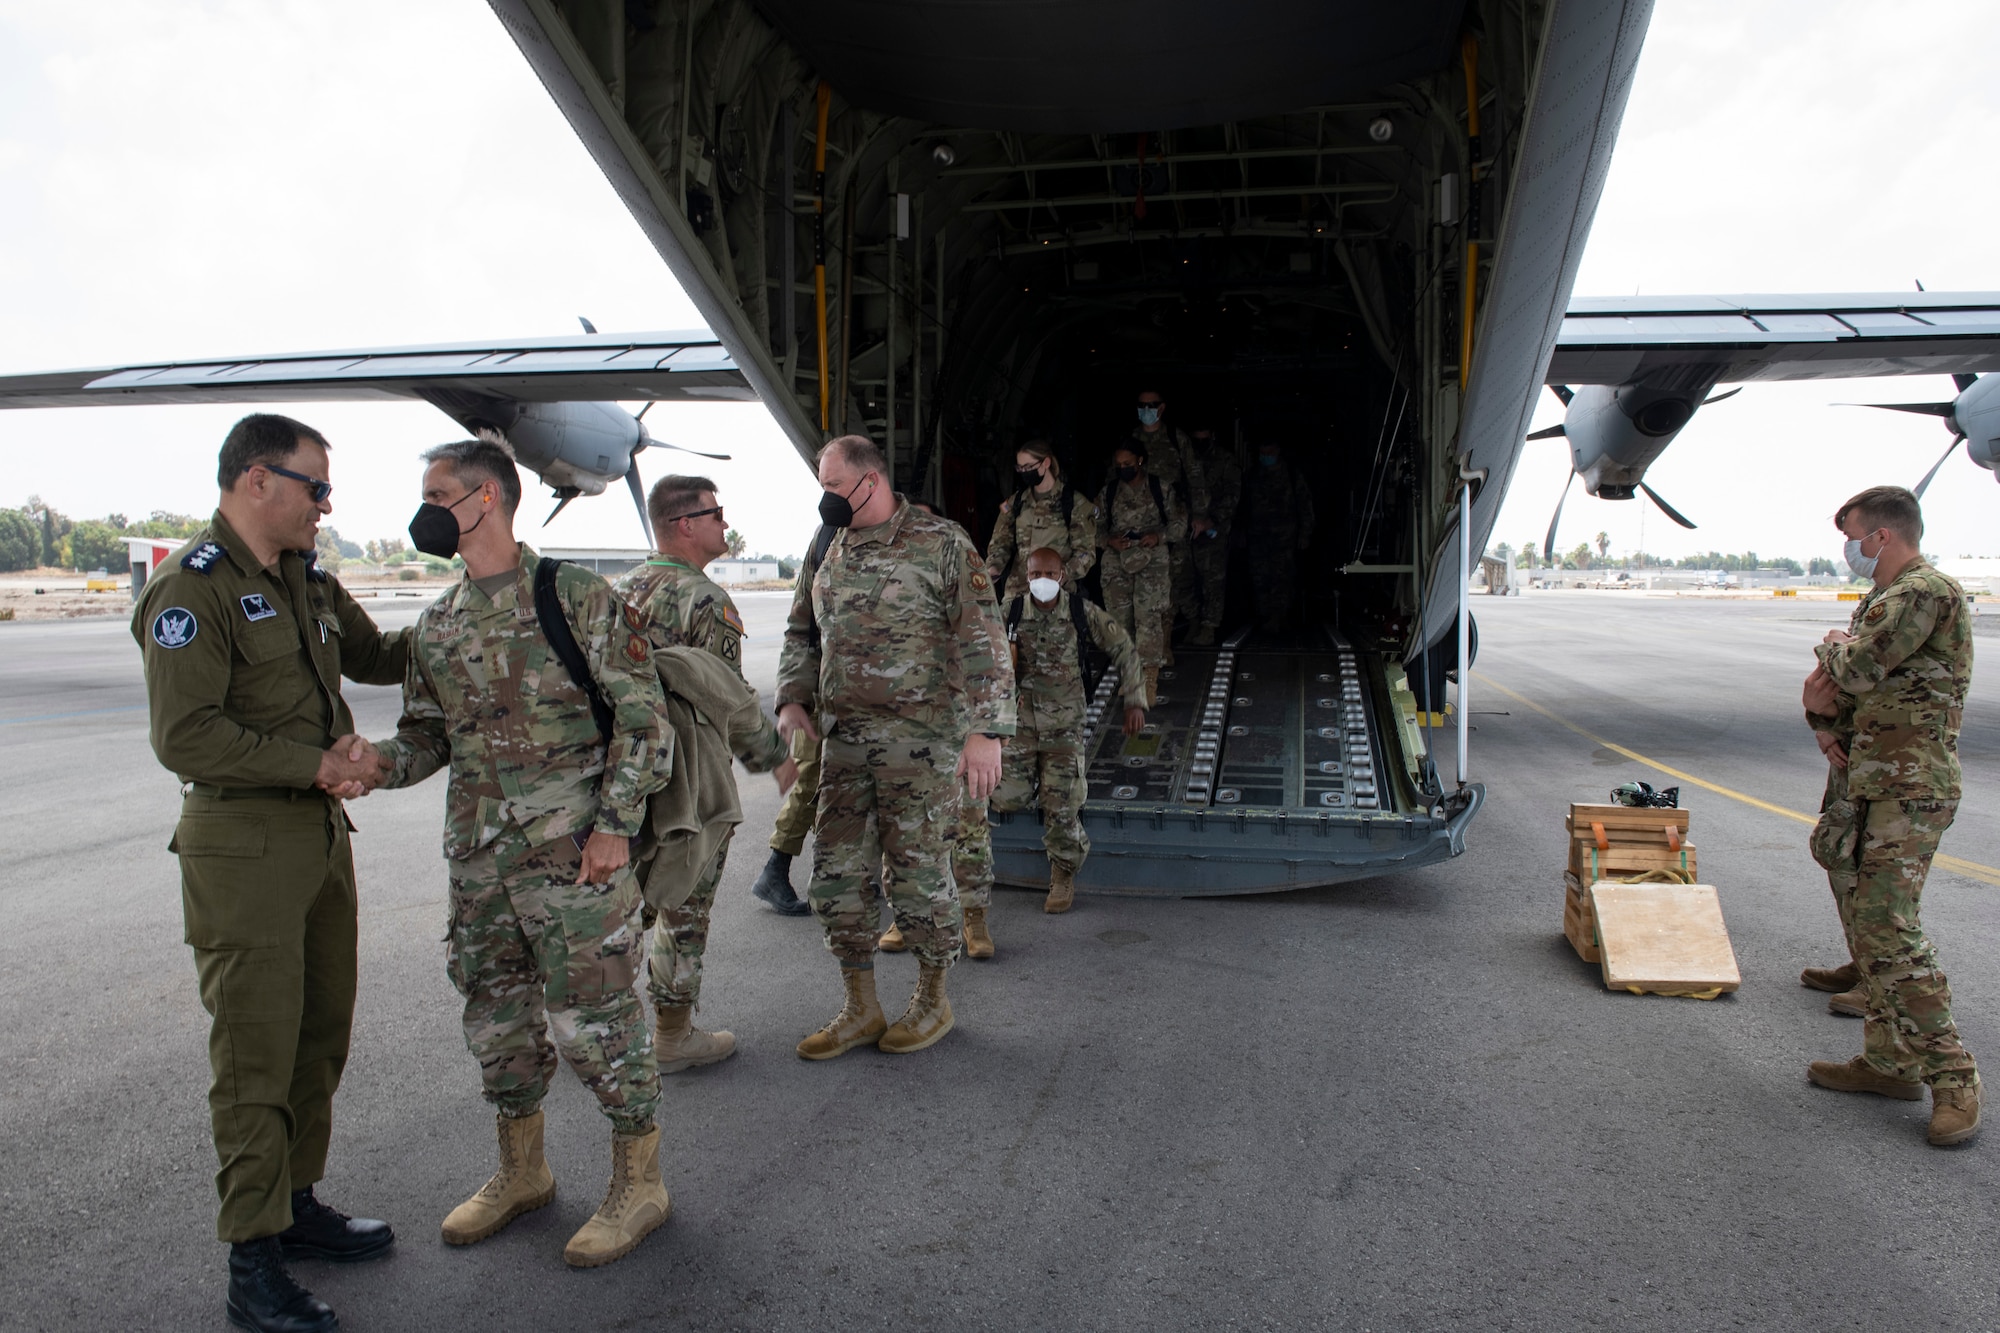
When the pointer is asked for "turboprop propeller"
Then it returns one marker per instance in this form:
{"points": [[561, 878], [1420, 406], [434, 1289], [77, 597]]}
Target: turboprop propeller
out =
{"points": [[1972, 418], [1615, 433]]}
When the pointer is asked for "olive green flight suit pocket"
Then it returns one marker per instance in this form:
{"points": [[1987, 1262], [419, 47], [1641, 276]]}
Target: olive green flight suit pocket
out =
{"points": [[1836, 838], [225, 881]]}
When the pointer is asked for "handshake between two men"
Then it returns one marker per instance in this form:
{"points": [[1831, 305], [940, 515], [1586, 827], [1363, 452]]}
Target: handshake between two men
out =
{"points": [[351, 767]]}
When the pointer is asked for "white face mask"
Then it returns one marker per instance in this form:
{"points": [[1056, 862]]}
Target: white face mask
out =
{"points": [[1862, 565], [1044, 590]]}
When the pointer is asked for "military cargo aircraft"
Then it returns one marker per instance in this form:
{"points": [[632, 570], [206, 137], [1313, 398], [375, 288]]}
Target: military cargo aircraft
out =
{"points": [[1352, 227]]}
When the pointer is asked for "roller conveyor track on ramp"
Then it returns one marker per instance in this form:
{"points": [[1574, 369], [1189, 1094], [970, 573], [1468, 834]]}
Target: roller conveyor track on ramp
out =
{"points": [[1262, 766]]}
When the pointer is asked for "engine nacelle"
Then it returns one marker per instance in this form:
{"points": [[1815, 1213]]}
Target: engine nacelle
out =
{"points": [[1976, 415], [575, 446], [1616, 432]]}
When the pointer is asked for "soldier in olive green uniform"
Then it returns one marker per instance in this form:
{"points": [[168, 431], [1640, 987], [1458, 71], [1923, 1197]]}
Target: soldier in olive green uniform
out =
{"points": [[909, 674], [545, 928], [1046, 757], [1170, 457], [245, 642], [801, 804], [1887, 700], [682, 607], [1211, 543], [1044, 511], [1142, 518]]}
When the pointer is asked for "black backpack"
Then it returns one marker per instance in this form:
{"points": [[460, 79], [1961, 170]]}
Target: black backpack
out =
{"points": [[556, 628], [1079, 616]]}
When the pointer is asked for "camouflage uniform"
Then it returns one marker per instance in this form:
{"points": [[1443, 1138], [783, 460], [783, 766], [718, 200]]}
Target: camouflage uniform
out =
{"points": [[1903, 685], [243, 667], [1211, 554], [795, 816], [1279, 525], [1138, 587], [911, 661], [972, 848], [531, 778], [1029, 521], [1046, 756], [682, 607], [1170, 456]]}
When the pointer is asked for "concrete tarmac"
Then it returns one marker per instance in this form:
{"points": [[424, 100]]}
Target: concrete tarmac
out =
{"points": [[1401, 1104]]}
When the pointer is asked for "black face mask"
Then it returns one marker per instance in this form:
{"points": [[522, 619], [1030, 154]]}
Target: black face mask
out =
{"points": [[434, 530], [837, 511], [1127, 473], [1028, 475]]}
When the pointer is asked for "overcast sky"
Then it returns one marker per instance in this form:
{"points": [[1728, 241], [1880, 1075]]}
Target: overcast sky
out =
{"points": [[191, 179]]}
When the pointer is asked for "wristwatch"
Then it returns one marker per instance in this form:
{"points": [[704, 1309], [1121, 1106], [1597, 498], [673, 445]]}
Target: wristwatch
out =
{"points": [[991, 735]]}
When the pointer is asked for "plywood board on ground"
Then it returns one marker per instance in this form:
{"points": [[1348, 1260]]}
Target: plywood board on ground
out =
{"points": [[1668, 939]]}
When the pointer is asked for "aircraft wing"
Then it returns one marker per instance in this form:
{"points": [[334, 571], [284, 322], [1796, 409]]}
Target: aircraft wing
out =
{"points": [[583, 368], [1658, 339]]}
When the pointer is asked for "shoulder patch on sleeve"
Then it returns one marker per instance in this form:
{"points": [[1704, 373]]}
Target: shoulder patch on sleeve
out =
{"points": [[201, 559], [175, 627], [731, 619], [633, 621], [1875, 613], [637, 649], [979, 579]]}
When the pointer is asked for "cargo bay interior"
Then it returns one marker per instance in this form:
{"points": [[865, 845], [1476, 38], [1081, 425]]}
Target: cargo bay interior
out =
{"points": [[955, 227]]}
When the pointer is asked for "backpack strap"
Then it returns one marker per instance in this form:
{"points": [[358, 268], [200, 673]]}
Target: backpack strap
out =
{"points": [[1159, 502], [1013, 517], [556, 628], [1014, 618], [822, 542], [1080, 616]]}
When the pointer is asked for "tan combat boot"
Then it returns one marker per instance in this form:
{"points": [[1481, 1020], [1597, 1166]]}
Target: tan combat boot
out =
{"points": [[633, 1207], [927, 1019], [892, 940], [522, 1184], [678, 1044], [1852, 1003], [1857, 1075], [1062, 888], [859, 1021], [1954, 1115], [1832, 979], [978, 943]]}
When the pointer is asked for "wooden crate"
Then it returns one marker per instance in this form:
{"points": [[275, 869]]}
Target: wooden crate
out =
{"points": [[1616, 842], [1579, 921], [1622, 862]]}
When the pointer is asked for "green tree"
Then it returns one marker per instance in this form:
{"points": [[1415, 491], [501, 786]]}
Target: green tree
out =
{"points": [[1603, 540], [94, 544], [1578, 558], [54, 528], [1527, 555], [1504, 553], [736, 542], [165, 525], [20, 542], [327, 543]]}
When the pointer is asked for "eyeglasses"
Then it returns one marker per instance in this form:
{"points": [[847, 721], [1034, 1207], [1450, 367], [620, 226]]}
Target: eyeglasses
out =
{"points": [[320, 489], [699, 513]]}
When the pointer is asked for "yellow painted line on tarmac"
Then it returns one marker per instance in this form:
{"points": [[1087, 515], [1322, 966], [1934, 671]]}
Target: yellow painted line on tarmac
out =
{"points": [[1970, 869]]}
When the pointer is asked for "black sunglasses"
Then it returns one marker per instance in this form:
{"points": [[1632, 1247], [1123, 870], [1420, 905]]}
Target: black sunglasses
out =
{"points": [[699, 513], [320, 489]]}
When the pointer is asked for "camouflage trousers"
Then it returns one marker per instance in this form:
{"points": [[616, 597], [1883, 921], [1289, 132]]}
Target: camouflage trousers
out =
{"points": [[1274, 581], [972, 853], [546, 964], [1048, 765], [1186, 595], [1909, 1033], [795, 816], [680, 938], [1211, 565], [892, 808], [1138, 593]]}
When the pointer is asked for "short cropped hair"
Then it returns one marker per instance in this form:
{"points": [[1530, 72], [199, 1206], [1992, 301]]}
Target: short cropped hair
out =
{"points": [[1890, 507], [675, 497], [259, 440], [483, 460], [857, 451]]}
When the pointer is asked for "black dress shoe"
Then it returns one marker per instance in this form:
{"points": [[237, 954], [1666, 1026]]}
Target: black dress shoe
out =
{"points": [[320, 1232], [263, 1297], [774, 886]]}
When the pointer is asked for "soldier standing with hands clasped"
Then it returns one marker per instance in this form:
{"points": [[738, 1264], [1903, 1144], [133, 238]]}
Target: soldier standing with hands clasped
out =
{"points": [[549, 781], [682, 607], [245, 642], [909, 672], [1885, 704]]}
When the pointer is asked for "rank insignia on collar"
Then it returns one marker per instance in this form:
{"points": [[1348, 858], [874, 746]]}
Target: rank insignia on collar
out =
{"points": [[201, 559], [256, 607]]}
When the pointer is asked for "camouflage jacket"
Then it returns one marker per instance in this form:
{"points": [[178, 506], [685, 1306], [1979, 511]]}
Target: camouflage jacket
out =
{"points": [[682, 607], [1029, 521], [1903, 683], [1280, 509], [243, 663], [1048, 675], [1133, 508], [1224, 476], [1170, 456], [486, 694], [910, 645]]}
